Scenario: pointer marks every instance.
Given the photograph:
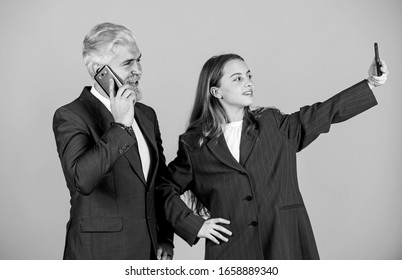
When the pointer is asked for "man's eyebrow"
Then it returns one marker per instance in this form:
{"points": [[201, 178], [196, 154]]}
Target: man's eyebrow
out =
{"points": [[131, 59]]}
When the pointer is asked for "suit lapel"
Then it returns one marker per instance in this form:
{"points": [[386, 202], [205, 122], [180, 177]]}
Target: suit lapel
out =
{"points": [[247, 143], [133, 156], [220, 149], [134, 159], [147, 129]]}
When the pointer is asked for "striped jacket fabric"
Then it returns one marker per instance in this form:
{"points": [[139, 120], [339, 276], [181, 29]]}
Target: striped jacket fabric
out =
{"points": [[259, 195], [113, 212]]}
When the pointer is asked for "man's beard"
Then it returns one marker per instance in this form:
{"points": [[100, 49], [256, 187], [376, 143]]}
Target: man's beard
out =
{"points": [[134, 82], [138, 92]]}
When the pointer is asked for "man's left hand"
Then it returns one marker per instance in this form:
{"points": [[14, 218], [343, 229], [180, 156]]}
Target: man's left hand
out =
{"points": [[164, 251]]}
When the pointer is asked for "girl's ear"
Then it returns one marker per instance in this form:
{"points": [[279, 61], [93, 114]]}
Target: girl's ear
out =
{"points": [[215, 92]]}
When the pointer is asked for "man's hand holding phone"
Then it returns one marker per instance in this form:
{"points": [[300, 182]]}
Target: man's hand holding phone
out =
{"points": [[122, 103]]}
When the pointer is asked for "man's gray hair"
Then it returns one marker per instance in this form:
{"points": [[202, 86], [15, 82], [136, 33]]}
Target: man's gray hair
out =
{"points": [[100, 44]]}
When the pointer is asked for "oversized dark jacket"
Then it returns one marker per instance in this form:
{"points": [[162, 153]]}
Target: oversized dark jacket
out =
{"points": [[259, 195], [113, 207]]}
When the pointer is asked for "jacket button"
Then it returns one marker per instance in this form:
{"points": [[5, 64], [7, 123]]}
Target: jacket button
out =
{"points": [[249, 197], [253, 223], [121, 151]]}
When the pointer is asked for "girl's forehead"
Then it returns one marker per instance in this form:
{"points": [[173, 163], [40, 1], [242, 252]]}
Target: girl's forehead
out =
{"points": [[235, 66]]}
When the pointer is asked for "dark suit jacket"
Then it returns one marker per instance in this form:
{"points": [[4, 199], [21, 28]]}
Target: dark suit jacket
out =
{"points": [[260, 195], [112, 213]]}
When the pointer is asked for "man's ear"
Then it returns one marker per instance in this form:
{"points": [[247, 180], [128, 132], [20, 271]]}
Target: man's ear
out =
{"points": [[215, 92], [95, 68]]}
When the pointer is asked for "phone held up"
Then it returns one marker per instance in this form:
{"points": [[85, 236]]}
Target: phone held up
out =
{"points": [[103, 77], [377, 60]]}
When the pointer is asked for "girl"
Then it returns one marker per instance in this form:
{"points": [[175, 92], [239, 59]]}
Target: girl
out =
{"points": [[240, 165]]}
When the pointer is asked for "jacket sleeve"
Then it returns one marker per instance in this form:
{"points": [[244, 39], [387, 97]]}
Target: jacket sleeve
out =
{"points": [[165, 232], [176, 181], [303, 127], [85, 163]]}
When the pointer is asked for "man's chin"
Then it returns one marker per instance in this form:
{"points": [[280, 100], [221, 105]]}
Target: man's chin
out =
{"points": [[138, 92]]}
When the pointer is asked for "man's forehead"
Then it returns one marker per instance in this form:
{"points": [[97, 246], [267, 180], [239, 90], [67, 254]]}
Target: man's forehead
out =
{"points": [[126, 52]]}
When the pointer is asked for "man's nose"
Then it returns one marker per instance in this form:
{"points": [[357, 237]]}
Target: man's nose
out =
{"points": [[136, 70]]}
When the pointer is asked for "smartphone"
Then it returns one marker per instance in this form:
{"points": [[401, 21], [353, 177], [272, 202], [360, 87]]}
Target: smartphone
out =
{"points": [[377, 60], [103, 76]]}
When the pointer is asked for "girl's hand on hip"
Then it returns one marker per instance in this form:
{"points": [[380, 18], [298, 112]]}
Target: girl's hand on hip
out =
{"points": [[213, 231]]}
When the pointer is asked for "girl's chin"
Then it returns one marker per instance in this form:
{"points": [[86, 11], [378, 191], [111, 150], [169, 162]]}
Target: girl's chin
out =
{"points": [[248, 104]]}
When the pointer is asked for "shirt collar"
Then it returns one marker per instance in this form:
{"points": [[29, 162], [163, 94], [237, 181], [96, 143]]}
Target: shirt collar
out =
{"points": [[101, 98]]}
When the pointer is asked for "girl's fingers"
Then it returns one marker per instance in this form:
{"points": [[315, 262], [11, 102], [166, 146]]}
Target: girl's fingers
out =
{"points": [[218, 235]]}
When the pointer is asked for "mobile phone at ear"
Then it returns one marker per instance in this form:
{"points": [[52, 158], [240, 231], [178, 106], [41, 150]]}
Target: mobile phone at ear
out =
{"points": [[103, 77], [377, 60]]}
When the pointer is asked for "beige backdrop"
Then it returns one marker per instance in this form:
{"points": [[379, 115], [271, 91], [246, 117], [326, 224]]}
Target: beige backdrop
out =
{"points": [[300, 52]]}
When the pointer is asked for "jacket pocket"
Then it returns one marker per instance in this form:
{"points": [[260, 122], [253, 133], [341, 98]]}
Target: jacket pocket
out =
{"points": [[291, 206], [101, 224]]}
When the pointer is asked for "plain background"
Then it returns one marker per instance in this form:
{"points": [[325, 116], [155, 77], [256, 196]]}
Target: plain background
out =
{"points": [[300, 52]]}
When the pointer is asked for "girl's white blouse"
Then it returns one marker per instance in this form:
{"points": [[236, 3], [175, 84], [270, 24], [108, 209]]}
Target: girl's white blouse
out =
{"points": [[232, 133]]}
